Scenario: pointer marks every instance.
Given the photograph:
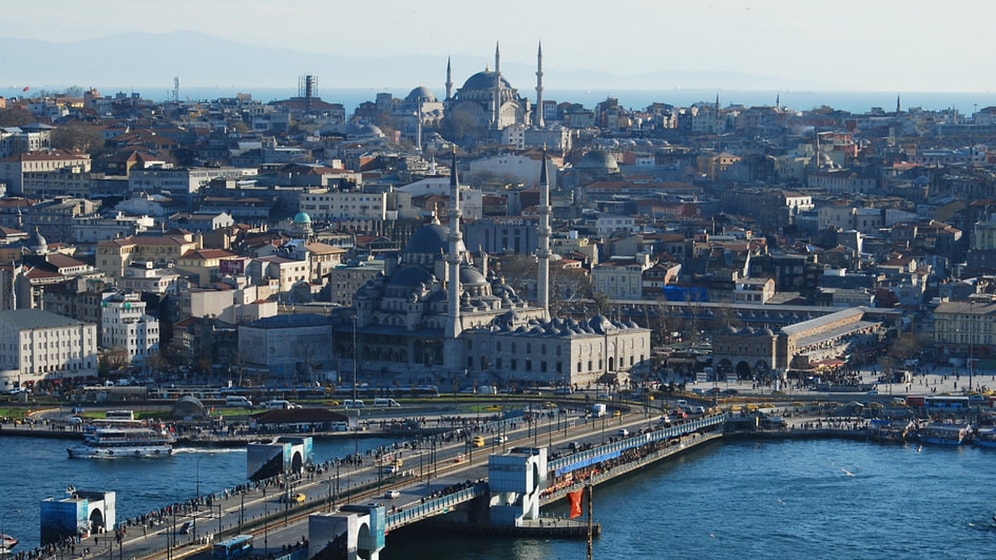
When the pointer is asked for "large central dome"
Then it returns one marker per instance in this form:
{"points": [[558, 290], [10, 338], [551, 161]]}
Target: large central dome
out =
{"points": [[484, 80]]}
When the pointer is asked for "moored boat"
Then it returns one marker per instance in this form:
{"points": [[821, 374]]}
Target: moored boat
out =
{"points": [[942, 433], [7, 542], [110, 442], [890, 430], [985, 437]]}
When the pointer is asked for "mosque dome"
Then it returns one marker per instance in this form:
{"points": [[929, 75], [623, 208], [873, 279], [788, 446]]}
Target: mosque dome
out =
{"points": [[302, 218], [484, 80], [36, 243], [429, 238], [420, 94]]}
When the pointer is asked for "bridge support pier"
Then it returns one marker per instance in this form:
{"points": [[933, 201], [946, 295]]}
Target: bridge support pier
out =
{"points": [[516, 479], [354, 532]]}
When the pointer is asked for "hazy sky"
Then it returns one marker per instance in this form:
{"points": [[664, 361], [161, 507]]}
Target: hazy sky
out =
{"points": [[884, 45]]}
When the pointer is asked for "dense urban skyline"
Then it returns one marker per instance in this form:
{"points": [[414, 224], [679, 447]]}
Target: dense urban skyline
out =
{"points": [[885, 46]]}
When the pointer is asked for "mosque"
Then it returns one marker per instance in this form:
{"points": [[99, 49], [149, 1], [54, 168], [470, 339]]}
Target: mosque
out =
{"points": [[436, 316]]}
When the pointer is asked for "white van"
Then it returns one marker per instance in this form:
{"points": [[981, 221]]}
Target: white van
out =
{"points": [[279, 404], [385, 402], [350, 403], [235, 400]]}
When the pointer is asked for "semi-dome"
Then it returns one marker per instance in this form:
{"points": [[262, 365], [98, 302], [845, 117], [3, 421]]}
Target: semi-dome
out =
{"points": [[470, 275], [411, 276]]}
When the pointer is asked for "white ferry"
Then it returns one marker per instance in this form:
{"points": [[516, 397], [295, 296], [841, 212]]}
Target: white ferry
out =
{"points": [[109, 442]]}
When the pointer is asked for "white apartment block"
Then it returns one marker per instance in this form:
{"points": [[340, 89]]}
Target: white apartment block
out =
{"points": [[332, 205], [38, 346], [125, 325]]}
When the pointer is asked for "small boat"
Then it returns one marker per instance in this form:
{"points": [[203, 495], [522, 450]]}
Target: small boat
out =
{"points": [[985, 437], [7, 542], [113, 442], [942, 433]]}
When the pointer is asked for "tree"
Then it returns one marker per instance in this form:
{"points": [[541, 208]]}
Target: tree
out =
{"points": [[568, 286], [15, 116], [111, 359], [78, 137]]}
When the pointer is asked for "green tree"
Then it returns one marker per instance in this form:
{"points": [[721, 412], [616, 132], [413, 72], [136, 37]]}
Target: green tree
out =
{"points": [[15, 116]]}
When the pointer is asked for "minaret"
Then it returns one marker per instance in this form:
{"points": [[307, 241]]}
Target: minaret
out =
{"points": [[543, 251], [451, 346], [539, 86], [449, 80], [496, 109], [418, 127]]}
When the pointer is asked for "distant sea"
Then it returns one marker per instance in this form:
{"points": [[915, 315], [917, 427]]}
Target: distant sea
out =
{"points": [[853, 101]]}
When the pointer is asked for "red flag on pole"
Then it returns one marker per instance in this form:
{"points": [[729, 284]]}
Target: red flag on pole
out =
{"points": [[26, 88], [575, 499]]}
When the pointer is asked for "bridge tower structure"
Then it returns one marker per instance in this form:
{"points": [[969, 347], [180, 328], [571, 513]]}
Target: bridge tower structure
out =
{"points": [[515, 480], [353, 532]]}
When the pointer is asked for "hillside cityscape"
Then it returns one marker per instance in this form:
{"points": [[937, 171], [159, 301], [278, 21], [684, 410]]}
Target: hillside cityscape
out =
{"points": [[486, 235]]}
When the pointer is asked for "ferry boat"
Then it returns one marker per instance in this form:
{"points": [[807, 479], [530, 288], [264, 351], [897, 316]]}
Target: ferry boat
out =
{"points": [[7, 542], [891, 430], [942, 433], [985, 437], [109, 442]]}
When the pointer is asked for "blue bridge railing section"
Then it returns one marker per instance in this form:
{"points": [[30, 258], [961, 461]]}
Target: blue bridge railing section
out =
{"points": [[435, 506], [612, 450]]}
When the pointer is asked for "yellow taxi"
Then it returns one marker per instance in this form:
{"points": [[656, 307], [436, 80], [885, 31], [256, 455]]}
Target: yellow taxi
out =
{"points": [[477, 441]]}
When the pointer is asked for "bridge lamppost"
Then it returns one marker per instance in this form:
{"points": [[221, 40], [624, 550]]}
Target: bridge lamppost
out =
{"points": [[266, 522], [197, 500]]}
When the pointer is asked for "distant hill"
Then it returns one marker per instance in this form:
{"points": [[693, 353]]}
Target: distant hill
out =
{"points": [[143, 60]]}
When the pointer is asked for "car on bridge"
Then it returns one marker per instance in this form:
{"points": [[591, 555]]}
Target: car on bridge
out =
{"points": [[297, 498], [392, 494], [477, 441]]}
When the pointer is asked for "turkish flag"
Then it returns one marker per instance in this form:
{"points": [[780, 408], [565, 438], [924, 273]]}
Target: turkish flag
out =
{"points": [[575, 499], [26, 88]]}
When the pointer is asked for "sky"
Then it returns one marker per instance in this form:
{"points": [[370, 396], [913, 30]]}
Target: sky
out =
{"points": [[872, 45]]}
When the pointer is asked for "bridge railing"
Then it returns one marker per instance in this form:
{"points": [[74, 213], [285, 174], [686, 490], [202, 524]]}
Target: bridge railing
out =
{"points": [[612, 450], [434, 506]]}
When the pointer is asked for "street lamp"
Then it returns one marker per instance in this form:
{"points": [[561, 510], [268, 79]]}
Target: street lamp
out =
{"points": [[356, 409], [197, 500], [971, 343]]}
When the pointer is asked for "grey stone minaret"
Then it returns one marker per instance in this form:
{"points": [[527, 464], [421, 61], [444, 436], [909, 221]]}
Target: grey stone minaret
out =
{"points": [[543, 251], [449, 80], [539, 87], [496, 109], [451, 346]]}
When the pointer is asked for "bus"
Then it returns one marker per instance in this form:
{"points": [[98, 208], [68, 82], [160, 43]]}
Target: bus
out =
{"points": [[239, 546], [947, 403]]}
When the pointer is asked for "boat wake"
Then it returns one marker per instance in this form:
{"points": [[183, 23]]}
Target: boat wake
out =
{"points": [[207, 450]]}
